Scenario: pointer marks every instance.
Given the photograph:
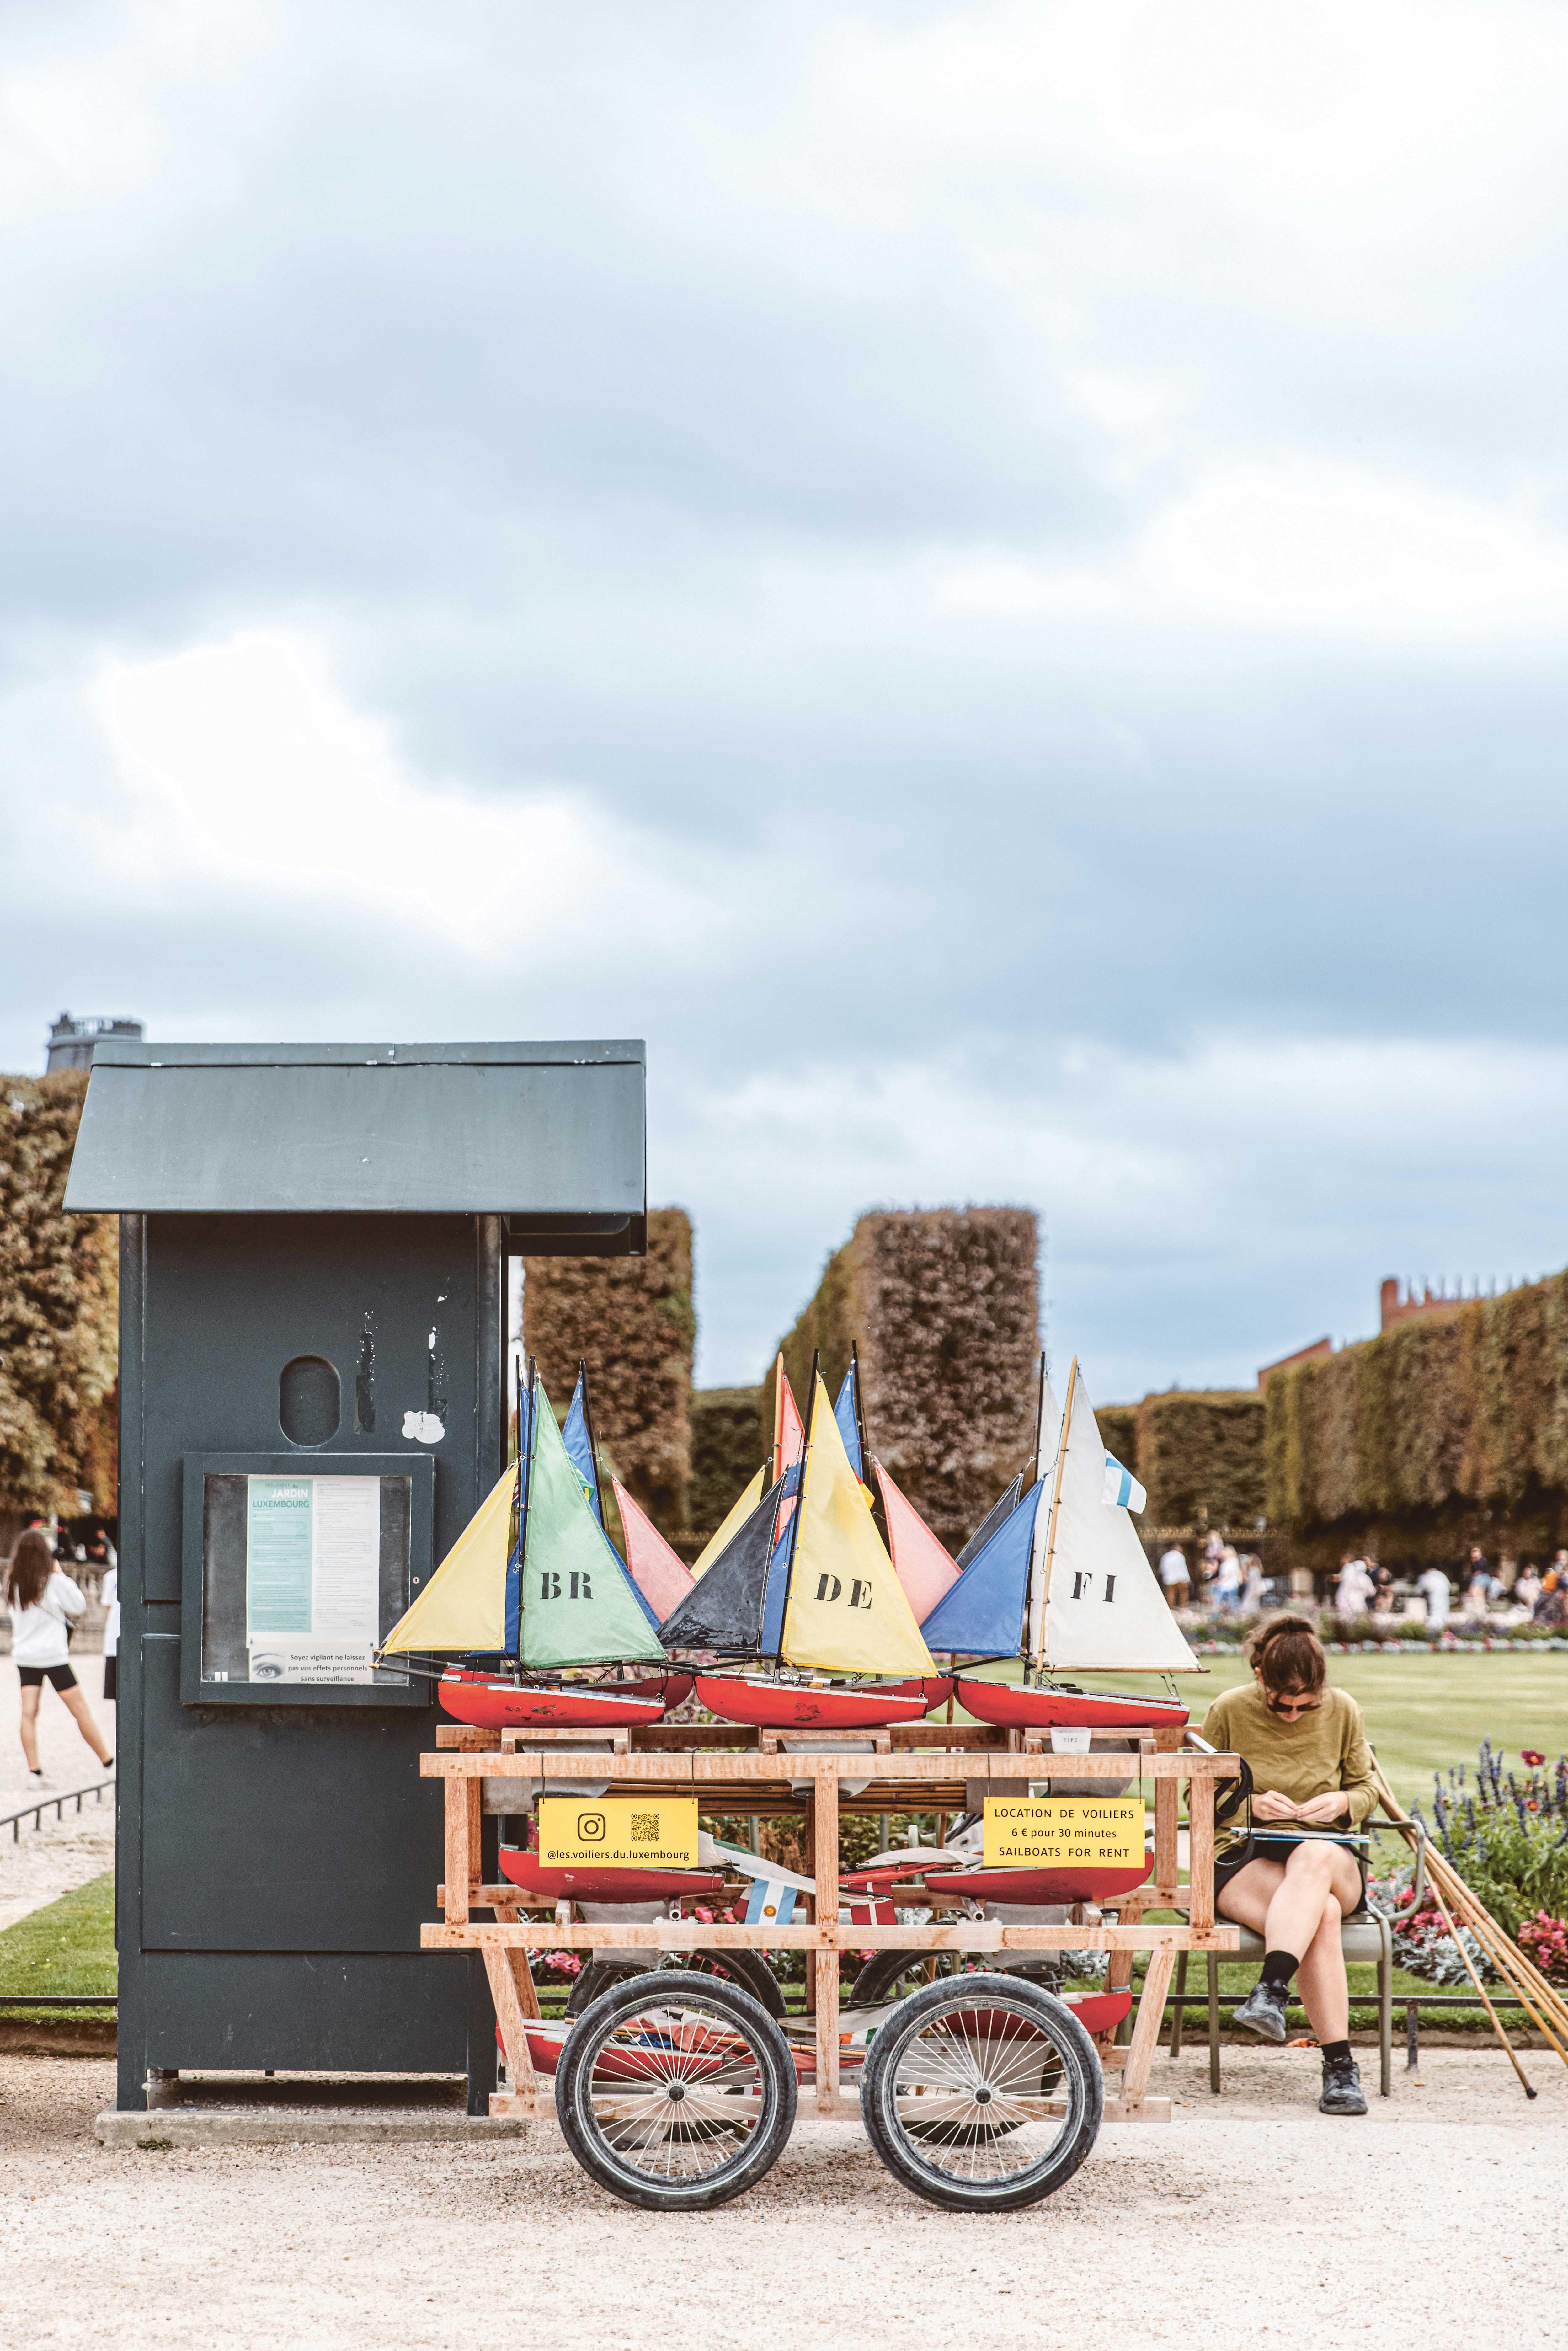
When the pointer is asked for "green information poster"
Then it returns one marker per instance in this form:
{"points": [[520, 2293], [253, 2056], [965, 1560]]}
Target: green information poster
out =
{"points": [[312, 1578]]}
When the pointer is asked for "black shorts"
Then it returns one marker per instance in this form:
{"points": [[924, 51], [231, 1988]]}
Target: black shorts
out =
{"points": [[110, 1680], [1234, 1863], [35, 1676]]}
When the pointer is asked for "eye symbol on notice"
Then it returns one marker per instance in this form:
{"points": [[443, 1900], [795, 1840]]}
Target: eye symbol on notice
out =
{"points": [[590, 1828]]}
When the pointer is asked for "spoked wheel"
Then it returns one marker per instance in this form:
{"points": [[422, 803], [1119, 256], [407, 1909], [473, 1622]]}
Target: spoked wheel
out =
{"points": [[749, 1970], [676, 2090], [982, 2092]]}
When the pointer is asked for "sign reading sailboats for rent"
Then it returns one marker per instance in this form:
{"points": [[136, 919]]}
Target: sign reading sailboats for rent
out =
{"points": [[621, 1832], [1063, 1832]]}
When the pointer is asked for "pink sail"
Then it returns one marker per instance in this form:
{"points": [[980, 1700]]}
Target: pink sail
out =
{"points": [[922, 1565], [660, 1574]]}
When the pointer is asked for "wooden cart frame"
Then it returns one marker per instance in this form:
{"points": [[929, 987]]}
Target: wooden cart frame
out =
{"points": [[921, 1768]]}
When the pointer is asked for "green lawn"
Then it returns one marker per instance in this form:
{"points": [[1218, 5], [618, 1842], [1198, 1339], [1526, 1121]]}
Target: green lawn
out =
{"points": [[1424, 1712], [68, 1946]]}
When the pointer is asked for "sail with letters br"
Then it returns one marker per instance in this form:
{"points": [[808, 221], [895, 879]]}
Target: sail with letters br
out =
{"points": [[834, 1624], [576, 1605], [1092, 1600]]}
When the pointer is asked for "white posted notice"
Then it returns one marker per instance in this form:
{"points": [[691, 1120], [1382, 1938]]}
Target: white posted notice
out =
{"points": [[313, 1578]]}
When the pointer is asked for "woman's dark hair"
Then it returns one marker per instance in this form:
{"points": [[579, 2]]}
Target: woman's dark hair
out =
{"points": [[1288, 1655], [32, 1564]]}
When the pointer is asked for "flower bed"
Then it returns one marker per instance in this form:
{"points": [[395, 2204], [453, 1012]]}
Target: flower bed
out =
{"points": [[1506, 1832]]}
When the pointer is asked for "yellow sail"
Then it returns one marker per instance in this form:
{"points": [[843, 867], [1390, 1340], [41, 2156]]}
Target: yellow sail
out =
{"points": [[463, 1606], [846, 1613], [736, 1517]]}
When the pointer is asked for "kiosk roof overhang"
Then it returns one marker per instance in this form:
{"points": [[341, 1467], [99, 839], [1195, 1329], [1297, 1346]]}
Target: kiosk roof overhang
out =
{"points": [[552, 1136]]}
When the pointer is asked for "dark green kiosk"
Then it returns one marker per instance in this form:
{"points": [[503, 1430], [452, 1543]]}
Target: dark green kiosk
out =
{"points": [[313, 1248]]}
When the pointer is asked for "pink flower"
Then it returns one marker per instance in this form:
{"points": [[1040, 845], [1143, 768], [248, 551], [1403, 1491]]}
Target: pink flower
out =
{"points": [[1531, 1755]]}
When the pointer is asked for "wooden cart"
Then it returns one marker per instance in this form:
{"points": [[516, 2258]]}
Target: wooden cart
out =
{"points": [[925, 1768]]}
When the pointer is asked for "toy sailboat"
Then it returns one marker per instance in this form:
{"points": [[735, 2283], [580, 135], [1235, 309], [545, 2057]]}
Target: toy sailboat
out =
{"points": [[1063, 1583], [535, 1580], [818, 1595]]}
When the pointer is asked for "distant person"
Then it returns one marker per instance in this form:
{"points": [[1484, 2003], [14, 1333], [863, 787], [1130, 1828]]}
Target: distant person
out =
{"points": [[44, 1601], [100, 1552], [1174, 1577], [1228, 1580], [1527, 1587], [1382, 1587], [1352, 1596], [110, 1597], [1434, 1591], [1289, 1875], [1251, 1583]]}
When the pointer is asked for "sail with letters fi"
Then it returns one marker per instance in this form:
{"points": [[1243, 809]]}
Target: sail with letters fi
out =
{"points": [[1065, 1584], [536, 1536]]}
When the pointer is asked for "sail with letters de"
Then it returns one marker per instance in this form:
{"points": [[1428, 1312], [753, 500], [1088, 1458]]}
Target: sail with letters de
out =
{"points": [[845, 1611]]}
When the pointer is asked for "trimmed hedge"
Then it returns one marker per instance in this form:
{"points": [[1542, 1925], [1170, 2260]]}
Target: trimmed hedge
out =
{"points": [[726, 1451], [1469, 1405], [1118, 1425], [59, 1289], [1200, 1455], [944, 1304], [632, 1317]]}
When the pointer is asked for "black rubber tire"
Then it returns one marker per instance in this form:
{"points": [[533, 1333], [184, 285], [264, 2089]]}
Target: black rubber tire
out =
{"points": [[742, 2015], [882, 1974], [1078, 2080], [749, 1970]]}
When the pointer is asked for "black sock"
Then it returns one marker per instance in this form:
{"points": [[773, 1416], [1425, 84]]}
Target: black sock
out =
{"points": [[1278, 1967], [1336, 2052]]}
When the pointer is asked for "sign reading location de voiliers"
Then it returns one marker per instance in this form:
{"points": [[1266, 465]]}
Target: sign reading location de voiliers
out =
{"points": [[1063, 1832]]}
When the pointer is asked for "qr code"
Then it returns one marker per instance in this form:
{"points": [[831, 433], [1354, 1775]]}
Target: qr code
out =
{"points": [[645, 1828]]}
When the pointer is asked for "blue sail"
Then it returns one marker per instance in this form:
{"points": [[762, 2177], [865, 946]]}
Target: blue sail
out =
{"points": [[844, 1413], [981, 1616], [778, 1590], [580, 1450]]}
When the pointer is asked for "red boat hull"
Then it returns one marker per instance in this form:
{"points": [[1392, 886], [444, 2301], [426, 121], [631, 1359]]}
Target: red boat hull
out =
{"points": [[1090, 1884], [787, 1705], [1018, 1709], [492, 1705], [602, 1884]]}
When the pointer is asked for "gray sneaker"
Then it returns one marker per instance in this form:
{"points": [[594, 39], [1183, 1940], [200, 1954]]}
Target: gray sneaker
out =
{"points": [[1341, 2087], [1263, 2012]]}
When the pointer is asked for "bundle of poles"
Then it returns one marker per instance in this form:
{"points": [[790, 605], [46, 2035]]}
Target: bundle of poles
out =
{"points": [[1543, 2003]]}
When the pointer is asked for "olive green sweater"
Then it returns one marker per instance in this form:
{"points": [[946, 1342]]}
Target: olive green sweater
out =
{"points": [[1301, 1759]]}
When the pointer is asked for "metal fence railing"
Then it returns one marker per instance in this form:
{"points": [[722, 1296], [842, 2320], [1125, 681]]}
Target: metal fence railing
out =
{"points": [[35, 1812]]}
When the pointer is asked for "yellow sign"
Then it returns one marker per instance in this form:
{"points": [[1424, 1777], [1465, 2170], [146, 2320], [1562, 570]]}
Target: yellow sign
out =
{"points": [[621, 1832], [1063, 1832]]}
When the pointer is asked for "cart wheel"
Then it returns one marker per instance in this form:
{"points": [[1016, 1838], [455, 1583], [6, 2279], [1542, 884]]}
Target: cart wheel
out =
{"points": [[676, 2090], [982, 2092], [749, 1970]]}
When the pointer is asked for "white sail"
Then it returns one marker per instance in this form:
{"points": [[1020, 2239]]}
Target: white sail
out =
{"points": [[1102, 1603]]}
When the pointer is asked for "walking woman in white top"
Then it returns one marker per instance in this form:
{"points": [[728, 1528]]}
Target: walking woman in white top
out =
{"points": [[42, 1602]]}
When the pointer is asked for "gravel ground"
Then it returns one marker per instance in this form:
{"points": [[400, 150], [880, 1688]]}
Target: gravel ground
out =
{"points": [[43, 1864], [1249, 2219]]}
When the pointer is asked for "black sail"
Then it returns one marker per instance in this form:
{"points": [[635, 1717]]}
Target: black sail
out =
{"points": [[723, 1610], [1002, 1508]]}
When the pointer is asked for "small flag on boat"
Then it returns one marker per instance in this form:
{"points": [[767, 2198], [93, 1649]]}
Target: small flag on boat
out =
{"points": [[771, 1902], [1122, 1491]]}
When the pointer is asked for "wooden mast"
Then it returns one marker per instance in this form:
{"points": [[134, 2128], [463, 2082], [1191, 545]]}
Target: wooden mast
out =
{"points": [[1036, 1611]]}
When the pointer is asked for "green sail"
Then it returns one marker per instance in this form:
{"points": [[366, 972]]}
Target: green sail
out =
{"points": [[579, 1607]]}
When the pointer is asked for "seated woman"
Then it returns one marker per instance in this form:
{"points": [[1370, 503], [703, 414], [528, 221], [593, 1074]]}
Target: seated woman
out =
{"points": [[1311, 1767]]}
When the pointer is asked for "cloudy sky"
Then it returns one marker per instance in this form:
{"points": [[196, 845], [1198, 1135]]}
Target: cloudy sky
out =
{"points": [[992, 579]]}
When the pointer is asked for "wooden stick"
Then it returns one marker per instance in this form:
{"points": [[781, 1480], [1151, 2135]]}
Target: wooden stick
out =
{"points": [[1200, 1852], [1146, 2028], [509, 2017], [1481, 1987]]}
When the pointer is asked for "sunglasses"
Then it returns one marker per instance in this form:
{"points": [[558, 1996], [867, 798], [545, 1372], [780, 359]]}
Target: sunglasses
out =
{"points": [[1292, 1705]]}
